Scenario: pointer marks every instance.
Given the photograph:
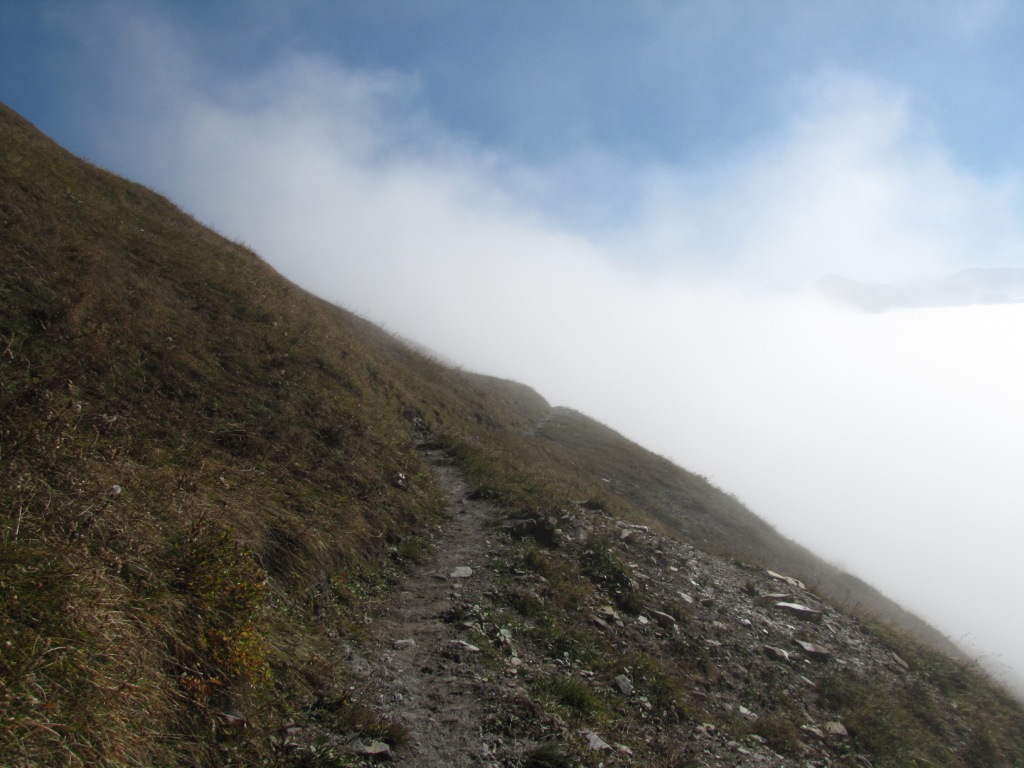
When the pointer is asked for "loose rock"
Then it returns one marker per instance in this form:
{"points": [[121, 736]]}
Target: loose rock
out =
{"points": [[815, 651], [776, 654], [837, 729], [788, 579], [664, 619], [623, 684], [375, 749], [595, 742], [801, 612]]}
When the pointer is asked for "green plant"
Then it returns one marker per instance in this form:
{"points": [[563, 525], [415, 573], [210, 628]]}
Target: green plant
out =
{"points": [[571, 693], [223, 591], [780, 733], [548, 755]]}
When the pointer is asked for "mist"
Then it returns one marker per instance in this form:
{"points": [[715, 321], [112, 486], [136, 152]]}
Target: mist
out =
{"points": [[890, 444]]}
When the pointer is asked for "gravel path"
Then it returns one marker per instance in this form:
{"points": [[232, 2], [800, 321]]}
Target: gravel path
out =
{"points": [[428, 679]]}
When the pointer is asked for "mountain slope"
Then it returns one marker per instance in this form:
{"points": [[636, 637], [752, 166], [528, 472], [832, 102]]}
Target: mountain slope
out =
{"points": [[688, 506], [211, 479]]}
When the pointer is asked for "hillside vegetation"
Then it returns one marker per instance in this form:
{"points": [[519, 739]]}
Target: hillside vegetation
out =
{"points": [[208, 476]]}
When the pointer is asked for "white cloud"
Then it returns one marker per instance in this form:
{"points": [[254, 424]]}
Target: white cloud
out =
{"points": [[852, 185], [887, 442]]}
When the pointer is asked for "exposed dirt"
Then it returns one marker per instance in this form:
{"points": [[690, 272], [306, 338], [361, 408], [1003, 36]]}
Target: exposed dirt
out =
{"points": [[427, 678]]}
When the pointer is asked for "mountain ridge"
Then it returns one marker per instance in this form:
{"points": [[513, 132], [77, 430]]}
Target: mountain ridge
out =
{"points": [[211, 475], [984, 286]]}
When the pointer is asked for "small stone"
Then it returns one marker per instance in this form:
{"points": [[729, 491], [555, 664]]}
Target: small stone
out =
{"points": [[232, 719], [835, 728], [515, 661], [464, 646], [801, 612], [595, 742], [815, 651], [814, 731], [597, 621], [776, 654], [408, 643], [896, 657], [375, 749], [767, 601], [607, 612], [623, 684], [687, 600], [358, 665], [462, 572], [788, 579], [643, 619], [666, 621], [747, 713]]}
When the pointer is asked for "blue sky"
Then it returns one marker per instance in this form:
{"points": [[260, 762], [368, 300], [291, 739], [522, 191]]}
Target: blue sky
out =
{"points": [[671, 81], [691, 87], [626, 206]]}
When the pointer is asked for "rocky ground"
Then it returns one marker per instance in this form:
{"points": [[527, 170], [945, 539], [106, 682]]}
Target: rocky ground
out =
{"points": [[457, 659]]}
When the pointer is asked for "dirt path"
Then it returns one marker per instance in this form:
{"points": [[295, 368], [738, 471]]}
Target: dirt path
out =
{"points": [[427, 677]]}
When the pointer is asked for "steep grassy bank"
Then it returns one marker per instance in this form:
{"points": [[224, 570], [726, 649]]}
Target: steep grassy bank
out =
{"points": [[179, 424]]}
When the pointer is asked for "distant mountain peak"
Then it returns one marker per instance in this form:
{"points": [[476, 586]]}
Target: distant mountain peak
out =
{"points": [[995, 285]]}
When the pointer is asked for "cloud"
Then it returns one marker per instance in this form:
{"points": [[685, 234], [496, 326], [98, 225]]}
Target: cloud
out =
{"points": [[852, 184], [885, 442]]}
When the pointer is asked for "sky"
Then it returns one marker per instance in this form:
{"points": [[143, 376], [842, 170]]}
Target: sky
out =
{"points": [[627, 206]]}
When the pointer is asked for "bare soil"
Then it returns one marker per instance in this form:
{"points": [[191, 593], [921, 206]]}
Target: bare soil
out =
{"points": [[426, 676]]}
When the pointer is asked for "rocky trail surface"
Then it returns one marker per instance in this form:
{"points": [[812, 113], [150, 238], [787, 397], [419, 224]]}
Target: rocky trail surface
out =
{"points": [[672, 653], [426, 678]]}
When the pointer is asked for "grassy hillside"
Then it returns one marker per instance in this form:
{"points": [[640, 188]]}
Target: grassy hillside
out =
{"points": [[207, 475], [688, 506], [178, 424]]}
